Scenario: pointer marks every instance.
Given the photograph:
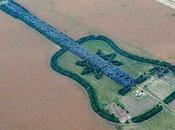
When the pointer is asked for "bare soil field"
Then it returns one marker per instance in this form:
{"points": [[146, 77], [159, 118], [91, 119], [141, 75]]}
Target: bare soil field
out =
{"points": [[32, 96], [138, 26]]}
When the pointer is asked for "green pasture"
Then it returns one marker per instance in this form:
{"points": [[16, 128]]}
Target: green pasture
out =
{"points": [[162, 121]]}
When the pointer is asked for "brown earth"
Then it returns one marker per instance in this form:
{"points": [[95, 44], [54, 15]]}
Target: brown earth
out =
{"points": [[32, 96], [138, 26]]}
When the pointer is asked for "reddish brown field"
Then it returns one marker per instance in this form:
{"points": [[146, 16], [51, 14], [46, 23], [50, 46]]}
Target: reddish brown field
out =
{"points": [[32, 96], [138, 26]]}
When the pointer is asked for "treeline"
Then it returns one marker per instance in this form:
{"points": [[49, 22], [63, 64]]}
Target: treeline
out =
{"points": [[91, 92], [148, 114], [113, 72], [170, 98]]}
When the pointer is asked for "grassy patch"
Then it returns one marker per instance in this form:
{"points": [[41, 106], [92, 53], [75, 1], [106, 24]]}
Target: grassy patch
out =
{"points": [[162, 121], [162, 87], [137, 106]]}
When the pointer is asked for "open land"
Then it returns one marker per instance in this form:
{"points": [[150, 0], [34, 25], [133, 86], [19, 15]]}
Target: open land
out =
{"points": [[100, 90]]}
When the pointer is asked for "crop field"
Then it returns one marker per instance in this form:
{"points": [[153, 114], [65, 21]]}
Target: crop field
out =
{"points": [[123, 88], [99, 62]]}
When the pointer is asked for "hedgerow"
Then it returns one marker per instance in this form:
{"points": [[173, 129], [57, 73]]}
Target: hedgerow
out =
{"points": [[170, 98], [158, 108]]}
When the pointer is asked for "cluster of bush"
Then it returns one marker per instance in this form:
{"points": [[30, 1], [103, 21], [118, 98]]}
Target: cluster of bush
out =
{"points": [[113, 72], [109, 57], [89, 69], [158, 108], [157, 70], [97, 72], [170, 98], [91, 92], [161, 71]]}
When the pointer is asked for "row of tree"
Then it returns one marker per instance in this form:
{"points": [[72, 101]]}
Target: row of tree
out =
{"points": [[170, 98], [158, 108]]}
